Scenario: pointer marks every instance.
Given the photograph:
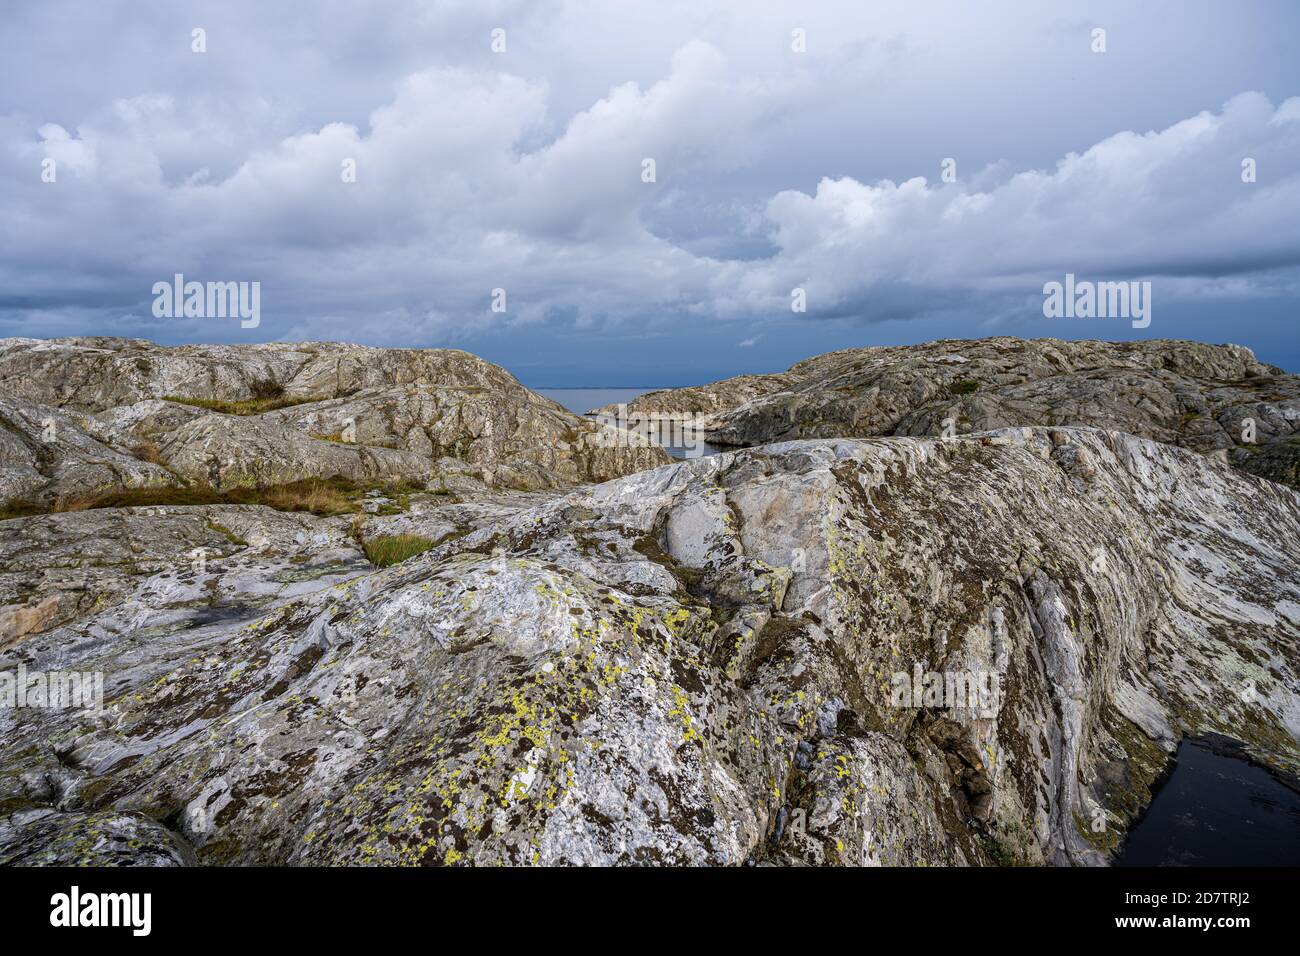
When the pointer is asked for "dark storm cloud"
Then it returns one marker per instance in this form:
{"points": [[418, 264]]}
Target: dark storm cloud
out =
{"points": [[523, 170]]}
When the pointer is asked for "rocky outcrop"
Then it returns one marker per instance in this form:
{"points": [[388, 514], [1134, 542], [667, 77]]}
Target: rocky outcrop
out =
{"points": [[521, 441], [87, 415], [709, 399], [1211, 398], [47, 453], [163, 566], [91, 374], [699, 664]]}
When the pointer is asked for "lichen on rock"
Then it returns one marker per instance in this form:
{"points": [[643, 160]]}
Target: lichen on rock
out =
{"points": [[694, 664]]}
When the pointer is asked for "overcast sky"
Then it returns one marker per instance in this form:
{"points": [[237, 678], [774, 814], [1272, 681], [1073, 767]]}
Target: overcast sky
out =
{"points": [[775, 169]]}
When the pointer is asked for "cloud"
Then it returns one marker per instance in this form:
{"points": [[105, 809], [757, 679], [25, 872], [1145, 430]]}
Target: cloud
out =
{"points": [[446, 205], [467, 180], [1160, 204]]}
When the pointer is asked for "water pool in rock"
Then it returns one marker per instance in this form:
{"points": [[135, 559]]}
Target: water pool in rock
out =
{"points": [[1217, 809]]}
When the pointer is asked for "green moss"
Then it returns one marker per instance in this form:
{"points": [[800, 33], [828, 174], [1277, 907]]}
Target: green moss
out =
{"points": [[1104, 840], [1130, 793], [229, 535], [1011, 843], [998, 854], [648, 547]]}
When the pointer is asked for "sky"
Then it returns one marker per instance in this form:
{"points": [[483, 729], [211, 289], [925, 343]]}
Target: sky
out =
{"points": [[919, 170]]}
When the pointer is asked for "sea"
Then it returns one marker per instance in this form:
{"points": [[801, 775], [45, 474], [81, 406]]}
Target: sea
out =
{"points": [[580, 401]]}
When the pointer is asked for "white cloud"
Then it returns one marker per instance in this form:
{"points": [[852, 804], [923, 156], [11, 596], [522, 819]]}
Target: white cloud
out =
{"points": [[467, 181], [1168, 203]]}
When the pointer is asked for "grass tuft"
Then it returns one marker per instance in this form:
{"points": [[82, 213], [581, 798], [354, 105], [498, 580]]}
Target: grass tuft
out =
{"points": [[392, 549], [229, 535], [244, 406], [150, 452], [266, 389], [319, 496]]}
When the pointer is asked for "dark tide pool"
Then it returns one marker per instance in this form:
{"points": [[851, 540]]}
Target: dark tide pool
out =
{"points": [[1216, 809]]}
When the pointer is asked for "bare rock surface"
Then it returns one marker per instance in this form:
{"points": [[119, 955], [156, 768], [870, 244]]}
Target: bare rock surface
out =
{"points": [[695, 664], [47, 453], [193, 564], [1190, 394], [163, 566], [133, 414], [91, 374]]}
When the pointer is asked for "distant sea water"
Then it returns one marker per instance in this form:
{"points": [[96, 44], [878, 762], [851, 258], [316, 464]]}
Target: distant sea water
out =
{"points": [[580, 401], [583, 400]]}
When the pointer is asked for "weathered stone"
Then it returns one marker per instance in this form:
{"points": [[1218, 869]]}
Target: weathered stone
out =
{"points": [[48, 838], [231, 451], [1184, 393], [363, 414], [163, 565], [660, 668], [46, 454]]}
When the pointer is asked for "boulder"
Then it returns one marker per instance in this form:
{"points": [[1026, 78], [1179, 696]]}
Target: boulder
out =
{"points": [[47, 454]]}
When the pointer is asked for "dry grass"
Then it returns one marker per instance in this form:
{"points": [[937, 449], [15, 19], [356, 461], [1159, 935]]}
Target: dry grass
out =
{"points": [[244, 406], [150, 452], [319, 496], [18, 508], [136, 497]]}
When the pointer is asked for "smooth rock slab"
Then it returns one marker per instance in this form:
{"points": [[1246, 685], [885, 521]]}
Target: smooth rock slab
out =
{"points": [[577, 682]]}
